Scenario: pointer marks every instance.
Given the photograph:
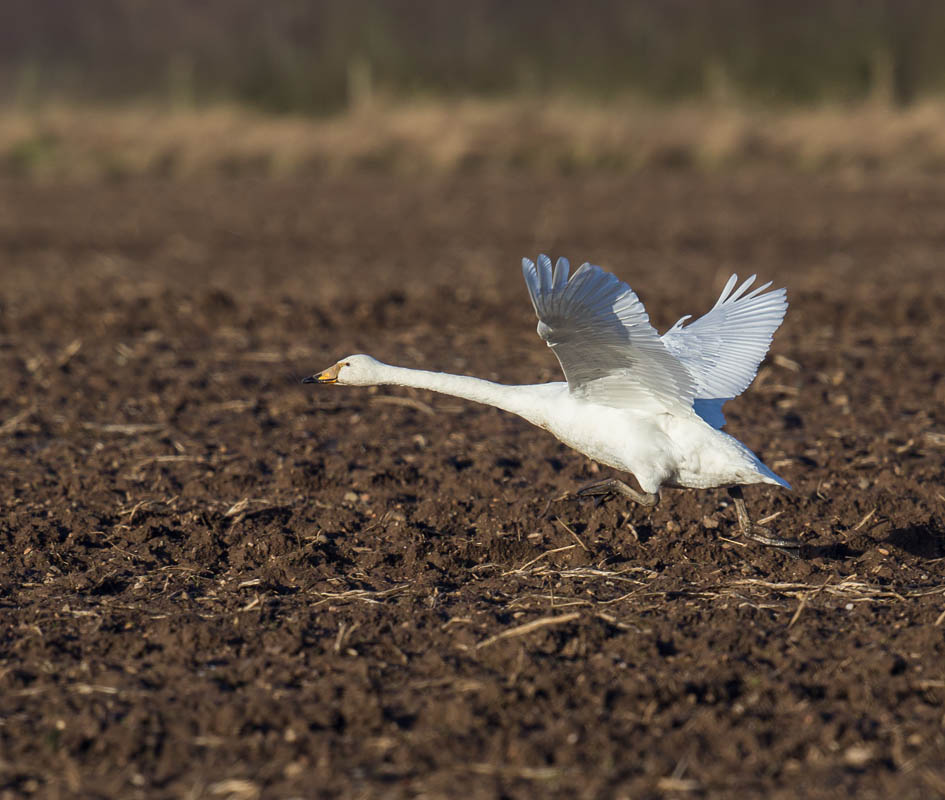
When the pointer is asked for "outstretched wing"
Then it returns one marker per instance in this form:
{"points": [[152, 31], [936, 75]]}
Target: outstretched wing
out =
{"points": [[601, 334], [722, 350]]}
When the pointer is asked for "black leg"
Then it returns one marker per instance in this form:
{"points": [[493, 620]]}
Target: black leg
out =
{"points": [[612, 487], [757, 533]]}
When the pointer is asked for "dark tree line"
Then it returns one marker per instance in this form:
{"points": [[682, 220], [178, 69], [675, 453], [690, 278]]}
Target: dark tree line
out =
{"points": [[290, 55]]}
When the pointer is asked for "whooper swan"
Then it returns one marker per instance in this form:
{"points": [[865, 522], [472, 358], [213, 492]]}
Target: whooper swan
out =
{"points": [[636, 401]]}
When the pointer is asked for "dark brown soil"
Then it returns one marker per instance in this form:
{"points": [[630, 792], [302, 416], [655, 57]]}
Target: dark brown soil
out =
{"points": [[216, 582]]}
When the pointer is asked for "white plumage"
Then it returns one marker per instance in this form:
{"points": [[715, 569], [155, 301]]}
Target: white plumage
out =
{"points": [[722, 350], [601, 334], [633, 400]]}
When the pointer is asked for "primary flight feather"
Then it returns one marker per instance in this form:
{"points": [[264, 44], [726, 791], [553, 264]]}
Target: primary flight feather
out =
{"points": [[633, 400]]}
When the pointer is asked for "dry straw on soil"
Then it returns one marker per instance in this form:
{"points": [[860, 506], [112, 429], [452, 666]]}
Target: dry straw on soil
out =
{"points": [[551, 135]]}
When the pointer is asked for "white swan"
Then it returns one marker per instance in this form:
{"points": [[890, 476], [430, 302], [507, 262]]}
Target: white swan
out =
{"points": [[633, 400]]}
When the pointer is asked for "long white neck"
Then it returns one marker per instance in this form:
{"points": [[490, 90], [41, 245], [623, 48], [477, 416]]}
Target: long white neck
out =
{"points": [[514, 399]]}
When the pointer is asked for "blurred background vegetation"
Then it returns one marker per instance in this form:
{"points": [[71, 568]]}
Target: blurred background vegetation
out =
{"points": [[321, 55], [323, 59]]}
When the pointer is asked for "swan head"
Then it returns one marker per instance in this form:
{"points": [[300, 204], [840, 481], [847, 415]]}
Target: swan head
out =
{"points": [[357, 370]]}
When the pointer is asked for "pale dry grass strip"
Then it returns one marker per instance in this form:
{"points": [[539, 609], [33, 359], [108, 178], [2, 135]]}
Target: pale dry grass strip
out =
{"points": [[752, 591], [529, 627], [863, 521], [538, 558], [671, 784], [247, 507], [235, 789], [769, 518], [125, 429], [344, 631], [804, 600], [570, 530], [539, 135], [584, 574], [212, 462], [511, 771], [16, 421], [87, 688], [800, 610], [852, 589], [362, 595], [237, 508], [610, 619], [557, 601], [168, 460], [68, 353]]}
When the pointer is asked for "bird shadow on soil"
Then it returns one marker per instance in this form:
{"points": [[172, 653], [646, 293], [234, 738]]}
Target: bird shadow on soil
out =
{"points": [[926, 541], [835, 551]]}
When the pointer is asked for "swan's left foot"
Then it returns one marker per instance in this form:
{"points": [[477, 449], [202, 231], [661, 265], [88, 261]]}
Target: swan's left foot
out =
{"points": [[757, 533], [614, 487]]}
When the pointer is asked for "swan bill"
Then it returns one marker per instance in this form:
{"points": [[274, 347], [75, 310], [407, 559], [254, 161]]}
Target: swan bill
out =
{"points": [[320, 378], [329, 375]]}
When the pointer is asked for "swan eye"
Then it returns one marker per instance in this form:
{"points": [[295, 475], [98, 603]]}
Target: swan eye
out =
{"points": [[347, 363]]}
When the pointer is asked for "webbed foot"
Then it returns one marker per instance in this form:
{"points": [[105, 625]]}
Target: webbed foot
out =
{"points": [[758, 533], [617, 488]]}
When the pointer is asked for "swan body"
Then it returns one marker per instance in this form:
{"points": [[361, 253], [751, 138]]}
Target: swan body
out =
{"points": [[635, 401]]}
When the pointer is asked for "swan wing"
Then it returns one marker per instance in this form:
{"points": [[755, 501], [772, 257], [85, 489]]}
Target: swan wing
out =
{"points": [[722, 349], [602, 336]]}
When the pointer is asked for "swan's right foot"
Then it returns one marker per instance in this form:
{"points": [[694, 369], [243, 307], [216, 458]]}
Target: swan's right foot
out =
{"points": [[616, 488], [755, 532], [762, 535]]}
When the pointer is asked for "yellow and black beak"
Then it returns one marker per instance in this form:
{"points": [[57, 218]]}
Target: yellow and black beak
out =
{"points": [[322, 377], [329, 375]]}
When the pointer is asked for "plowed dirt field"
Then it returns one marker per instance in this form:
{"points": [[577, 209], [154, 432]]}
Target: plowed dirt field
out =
{"points": [[218, 583]]}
